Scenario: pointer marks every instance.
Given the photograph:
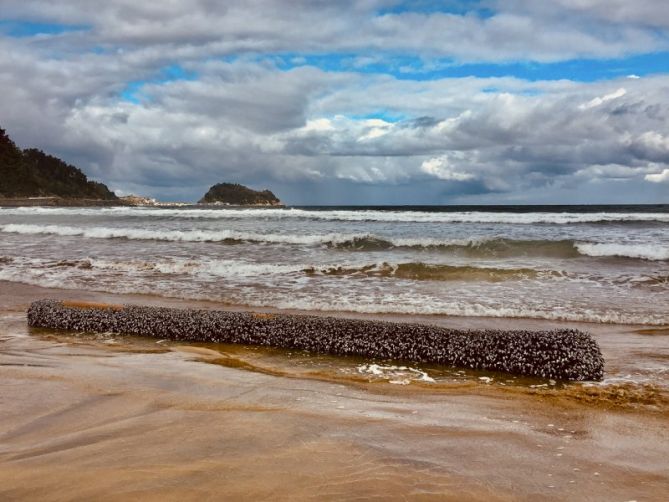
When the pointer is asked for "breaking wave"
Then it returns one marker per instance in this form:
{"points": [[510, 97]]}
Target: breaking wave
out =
{"points": [[488, 247], [642, 251], [265, 285], [485, 247], [230, 236], [431, 272], [244, 269], [172, 266], [241, 269]]}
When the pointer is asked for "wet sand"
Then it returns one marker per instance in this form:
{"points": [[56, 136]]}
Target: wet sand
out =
{"points": [[113, 418]]}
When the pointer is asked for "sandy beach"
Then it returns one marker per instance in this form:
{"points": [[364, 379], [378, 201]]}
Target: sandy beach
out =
{"points": [[113, 418]]}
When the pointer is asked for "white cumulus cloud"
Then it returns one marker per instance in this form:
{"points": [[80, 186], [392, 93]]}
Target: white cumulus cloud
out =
{"points": [[603, 99], [440, 167], [661, 177]]}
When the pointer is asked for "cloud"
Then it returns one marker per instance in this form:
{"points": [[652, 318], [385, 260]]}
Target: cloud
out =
{"points": [[541, 31], [441, 168], [255, 123], [603, 99], [258, 99], [641, 12], [661, 177]]}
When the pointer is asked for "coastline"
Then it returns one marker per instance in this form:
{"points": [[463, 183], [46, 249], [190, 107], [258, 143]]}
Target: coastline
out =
{"points": [[64, 202], [110, 418], [58, 202]]}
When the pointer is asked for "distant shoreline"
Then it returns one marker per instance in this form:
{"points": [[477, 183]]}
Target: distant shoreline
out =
{"points": [[57, 202], [62, 202], [511, 208]]}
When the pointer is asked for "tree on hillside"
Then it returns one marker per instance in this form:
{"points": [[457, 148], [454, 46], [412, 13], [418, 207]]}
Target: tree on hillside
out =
{"points": [[33, 173]]}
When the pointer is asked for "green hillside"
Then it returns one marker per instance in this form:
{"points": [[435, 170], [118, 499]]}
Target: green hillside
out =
{"points": [[33, 173]]}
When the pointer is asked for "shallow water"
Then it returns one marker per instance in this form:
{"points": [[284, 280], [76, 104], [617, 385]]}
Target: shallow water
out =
{"points": [[636, 357], [638, 381], [607, 264]]}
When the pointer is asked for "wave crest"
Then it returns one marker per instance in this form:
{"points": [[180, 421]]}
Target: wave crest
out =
{"points": [[641, 251], [484, 248], [430, 272]]}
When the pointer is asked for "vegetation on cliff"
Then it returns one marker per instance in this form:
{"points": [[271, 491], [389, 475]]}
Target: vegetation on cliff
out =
{"points": [[239, 195], [33, 173]]}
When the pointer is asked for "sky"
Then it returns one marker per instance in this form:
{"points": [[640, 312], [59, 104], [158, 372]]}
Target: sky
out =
{"points": [[347, 102]]}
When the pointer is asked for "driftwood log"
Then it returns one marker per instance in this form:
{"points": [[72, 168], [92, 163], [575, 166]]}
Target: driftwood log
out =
{"points": [[563, 354]]}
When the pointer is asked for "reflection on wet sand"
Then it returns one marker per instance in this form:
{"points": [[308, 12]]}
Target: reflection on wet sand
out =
{"points": [[110, 417]]}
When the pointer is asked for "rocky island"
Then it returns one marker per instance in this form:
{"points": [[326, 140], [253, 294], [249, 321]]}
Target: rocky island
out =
{"points": [[234, 194], [32, 177]]}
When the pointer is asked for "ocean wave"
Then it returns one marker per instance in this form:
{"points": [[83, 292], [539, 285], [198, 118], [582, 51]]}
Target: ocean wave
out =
{"points": [[410, 305], [172, 266], [393, 304], [230, 236], [362, 215], [653, 281], [244, 269], [641, 251], [204, 268], [259, 285], [482, 247], [208, 268], [357, 242], [431, 272], [493, 247]]}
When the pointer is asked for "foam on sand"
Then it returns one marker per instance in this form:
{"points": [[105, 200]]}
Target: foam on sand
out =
{"points": [[564, 354]]}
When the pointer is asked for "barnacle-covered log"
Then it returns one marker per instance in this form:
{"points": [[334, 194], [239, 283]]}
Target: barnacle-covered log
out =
{"points": [[564, 354]]}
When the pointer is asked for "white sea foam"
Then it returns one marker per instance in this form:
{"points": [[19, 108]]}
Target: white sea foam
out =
{"points": [[399, 375], [237, 291], [202, 267], [239, 269], [353, 215], [642, 251], [353, 241], [177, 235], [332, 239], [413, 305]]}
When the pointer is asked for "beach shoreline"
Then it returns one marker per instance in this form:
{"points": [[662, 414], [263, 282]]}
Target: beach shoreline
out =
{"points": [[109, 418]]}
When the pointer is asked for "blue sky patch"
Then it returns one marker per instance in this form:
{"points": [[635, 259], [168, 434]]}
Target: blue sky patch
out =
{"points": [[386, 115], [22, 29], [172, 73], [456, 7], [132, 91], [416, 68]]}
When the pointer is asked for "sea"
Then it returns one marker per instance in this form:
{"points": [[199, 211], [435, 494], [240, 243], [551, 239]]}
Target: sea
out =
{"points": [[602, 264]]}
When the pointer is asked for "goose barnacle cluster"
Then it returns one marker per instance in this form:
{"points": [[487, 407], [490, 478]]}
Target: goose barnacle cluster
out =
{"points": [[565, 354]]}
